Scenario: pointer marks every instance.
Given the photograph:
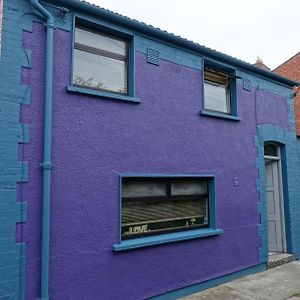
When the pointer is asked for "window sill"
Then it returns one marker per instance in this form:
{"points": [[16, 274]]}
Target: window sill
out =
{"points": [[103, 94], [214, 114], [165, 239]]}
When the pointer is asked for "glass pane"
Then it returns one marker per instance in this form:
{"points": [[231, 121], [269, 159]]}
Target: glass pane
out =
{"points": [[216, 97], [154, 217], [94, 71], [271, 150], [143, 188], [100, 41], [215, 77], [188, 188]]}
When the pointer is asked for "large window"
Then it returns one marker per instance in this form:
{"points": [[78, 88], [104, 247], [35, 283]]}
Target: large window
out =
{"points": [[152, 206], [100, 61]]}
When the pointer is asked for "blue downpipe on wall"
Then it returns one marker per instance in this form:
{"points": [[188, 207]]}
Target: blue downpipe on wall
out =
{"points": [[47, 164]]}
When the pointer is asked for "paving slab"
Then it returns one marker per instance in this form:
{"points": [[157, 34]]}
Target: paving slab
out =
{"points": [[280, 283]]}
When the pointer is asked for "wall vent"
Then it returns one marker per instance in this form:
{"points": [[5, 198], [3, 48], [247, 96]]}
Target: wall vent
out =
{"points": [[247, 85], [153, 56]]}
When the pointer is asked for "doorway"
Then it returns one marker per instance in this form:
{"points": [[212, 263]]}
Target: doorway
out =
{"points": [[274, 197]]}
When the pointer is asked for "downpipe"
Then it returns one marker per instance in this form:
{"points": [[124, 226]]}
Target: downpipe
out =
{"points": [[47, 164]]}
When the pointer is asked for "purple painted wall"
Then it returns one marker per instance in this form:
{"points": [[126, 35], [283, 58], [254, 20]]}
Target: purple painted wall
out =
{"points": [[96, 140]]}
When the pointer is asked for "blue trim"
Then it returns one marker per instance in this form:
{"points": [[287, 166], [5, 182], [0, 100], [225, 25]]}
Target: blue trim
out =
{"points": [[215, 114], [177, 236], [102, 94], [176, 41], [212, 204], [130, 39], [166, 238], [290, 173], [195, 288], [14, 171]]}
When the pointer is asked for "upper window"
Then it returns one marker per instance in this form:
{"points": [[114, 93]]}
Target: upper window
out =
{"points": [[152, 206], [217, 91], [100, 61]]}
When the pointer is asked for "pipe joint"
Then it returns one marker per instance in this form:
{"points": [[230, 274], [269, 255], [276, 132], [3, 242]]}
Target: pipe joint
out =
{"points": [[47, 165], [50, 25]]}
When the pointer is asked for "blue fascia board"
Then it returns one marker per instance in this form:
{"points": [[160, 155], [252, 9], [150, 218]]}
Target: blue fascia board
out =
{"points": [[173, 39], [166, 238]]}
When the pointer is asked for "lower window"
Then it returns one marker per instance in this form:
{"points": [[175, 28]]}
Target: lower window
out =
{"points": [[151, 206]]}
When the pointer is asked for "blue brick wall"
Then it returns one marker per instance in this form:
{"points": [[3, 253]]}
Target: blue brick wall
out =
{"points": [[12, 133]]}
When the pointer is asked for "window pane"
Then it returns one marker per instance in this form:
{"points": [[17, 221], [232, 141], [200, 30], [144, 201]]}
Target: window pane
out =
{"points": [[99, 72], [154, 206], [188, 188], [216, 97], [97, 40], [271, 150], [150, 217], [215, 77], [143, 188]]}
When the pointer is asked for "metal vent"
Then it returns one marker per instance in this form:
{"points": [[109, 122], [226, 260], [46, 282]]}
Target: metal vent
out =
{"points": [[153, 56], [247, 85]]}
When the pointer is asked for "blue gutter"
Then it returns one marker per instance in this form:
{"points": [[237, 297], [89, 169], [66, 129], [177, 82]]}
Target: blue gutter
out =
{"points": [[178, 41], [46, 165]]}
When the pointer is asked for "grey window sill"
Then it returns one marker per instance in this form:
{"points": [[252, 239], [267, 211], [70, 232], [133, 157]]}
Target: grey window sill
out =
{"points": [[219, 115], [103, 94]]}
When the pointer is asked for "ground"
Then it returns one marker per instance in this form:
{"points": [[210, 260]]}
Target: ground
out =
{"points": [[280, 283]]}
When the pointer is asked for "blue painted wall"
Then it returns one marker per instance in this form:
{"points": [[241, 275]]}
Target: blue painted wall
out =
{"points": [[13, 171]]}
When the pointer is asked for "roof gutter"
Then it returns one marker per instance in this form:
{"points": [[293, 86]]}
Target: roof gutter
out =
{"points": [[47, 164], [83, 6]]}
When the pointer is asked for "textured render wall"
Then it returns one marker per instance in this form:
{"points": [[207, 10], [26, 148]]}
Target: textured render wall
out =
{"points": [[95, 140], [13, 170], [291, 69]]}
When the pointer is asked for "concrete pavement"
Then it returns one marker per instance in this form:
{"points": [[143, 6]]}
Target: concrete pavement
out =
{"points": [[280, 283]]}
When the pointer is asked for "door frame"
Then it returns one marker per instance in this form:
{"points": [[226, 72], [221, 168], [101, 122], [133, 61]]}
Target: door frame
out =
{"points": [[277, 159]]}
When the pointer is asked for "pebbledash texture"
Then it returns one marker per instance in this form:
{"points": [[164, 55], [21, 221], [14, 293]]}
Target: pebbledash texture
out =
{"points": [[173, 167]]}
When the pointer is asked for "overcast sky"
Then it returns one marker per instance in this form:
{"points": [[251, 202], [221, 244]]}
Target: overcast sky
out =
{"points": [[244, 29]]}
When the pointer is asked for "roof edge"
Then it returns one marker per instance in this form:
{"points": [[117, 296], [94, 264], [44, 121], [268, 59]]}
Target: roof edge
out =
{"points": [[171, 38]]}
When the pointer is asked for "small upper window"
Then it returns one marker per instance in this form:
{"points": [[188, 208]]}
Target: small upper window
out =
{"points": [[100, 61], [217, 91]]}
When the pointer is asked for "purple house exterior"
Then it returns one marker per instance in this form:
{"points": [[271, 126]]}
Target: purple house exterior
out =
{"points": [[136, 164]]}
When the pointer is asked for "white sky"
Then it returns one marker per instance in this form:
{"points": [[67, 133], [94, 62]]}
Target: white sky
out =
{"points": [[244, 29]]}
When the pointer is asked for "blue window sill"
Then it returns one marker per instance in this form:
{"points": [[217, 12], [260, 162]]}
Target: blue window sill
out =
{"points": [[103, 94], [165, 239], [219, 115]]}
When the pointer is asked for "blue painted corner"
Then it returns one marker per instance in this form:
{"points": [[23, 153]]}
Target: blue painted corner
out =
{"points": [[13, 172], [290, 174]]}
